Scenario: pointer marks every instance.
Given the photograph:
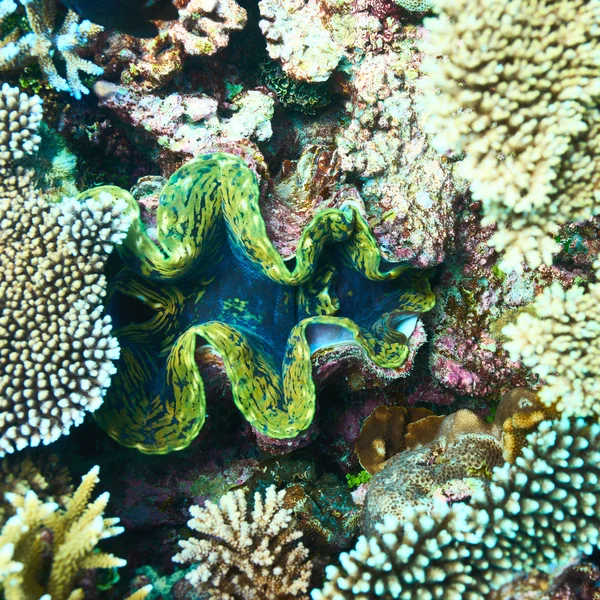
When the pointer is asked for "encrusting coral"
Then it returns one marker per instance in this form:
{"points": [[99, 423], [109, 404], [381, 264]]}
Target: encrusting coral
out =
{"points": [[561, 344], [19, 49], [56, 351], [539, 513], [245, 555], [44, 548], [518, 90], [263, 319]]}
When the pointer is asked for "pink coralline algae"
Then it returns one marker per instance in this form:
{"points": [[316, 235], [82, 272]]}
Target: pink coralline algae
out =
{"points": [[476, 299], [186, 123], [408, 189], [203, 28]]}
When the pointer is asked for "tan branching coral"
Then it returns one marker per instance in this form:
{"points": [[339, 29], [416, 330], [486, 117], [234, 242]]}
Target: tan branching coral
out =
{"points": [[56, 351], [519, 92], [44, 549], [41, 473], [19, 49], [245, 555], [561, 344], [20, 117]]}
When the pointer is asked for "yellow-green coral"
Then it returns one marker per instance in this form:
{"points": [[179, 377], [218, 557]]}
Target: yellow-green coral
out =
{"points": [[194, 284], [44, 549]]}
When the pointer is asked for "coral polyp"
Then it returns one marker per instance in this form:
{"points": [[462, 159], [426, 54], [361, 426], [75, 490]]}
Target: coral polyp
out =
{"points": [[235, 296]]}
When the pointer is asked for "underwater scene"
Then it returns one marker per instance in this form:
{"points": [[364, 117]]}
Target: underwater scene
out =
{"points": [[299, 299]]}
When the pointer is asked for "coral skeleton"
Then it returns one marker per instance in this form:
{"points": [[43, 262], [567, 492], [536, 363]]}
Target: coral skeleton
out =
{"points": [[518, 91], [246, 555], [44, 548], [19, 49]]}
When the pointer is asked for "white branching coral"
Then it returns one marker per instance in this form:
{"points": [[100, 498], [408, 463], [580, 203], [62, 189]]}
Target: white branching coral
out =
{"points": [[537, 514], [518, 90], [18, 128], [45, 548], [243, 555], [56, 351], [19, 49], [561, 344], [20, 117]]}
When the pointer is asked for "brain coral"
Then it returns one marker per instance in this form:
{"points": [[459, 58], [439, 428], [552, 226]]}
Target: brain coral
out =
{"points": [[539, 513], [519, 91], [415, 477], [202, 296]]}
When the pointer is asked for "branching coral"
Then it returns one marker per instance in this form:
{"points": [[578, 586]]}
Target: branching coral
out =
{"points": [[519, 91], [40, 473], [243, 555], [19, 49], [561, 343], [264, 319], [44, 549], [56, 352], [539, 513]]}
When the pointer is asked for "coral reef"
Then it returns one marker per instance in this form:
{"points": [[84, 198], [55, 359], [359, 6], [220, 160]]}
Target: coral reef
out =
{"points": [[518, 92], [19, 49], [561, 344], [44, 548], [408, 190], [537, 514], [261, 318], [245, 555], [296, 35], [450, 470], [56, 351], [187, 123], [42, 474]]}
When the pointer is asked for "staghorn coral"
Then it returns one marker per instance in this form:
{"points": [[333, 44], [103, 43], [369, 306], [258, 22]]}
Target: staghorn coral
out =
{"points": [[56, 351], [241, 301], [40, 473], [539, 513], [561, 344], [19, 49], [518, 91], [44, 548], [245, 555]]}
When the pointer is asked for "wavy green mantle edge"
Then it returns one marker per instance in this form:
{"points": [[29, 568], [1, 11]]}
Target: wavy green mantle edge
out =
{"points": [[278, 401]]}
